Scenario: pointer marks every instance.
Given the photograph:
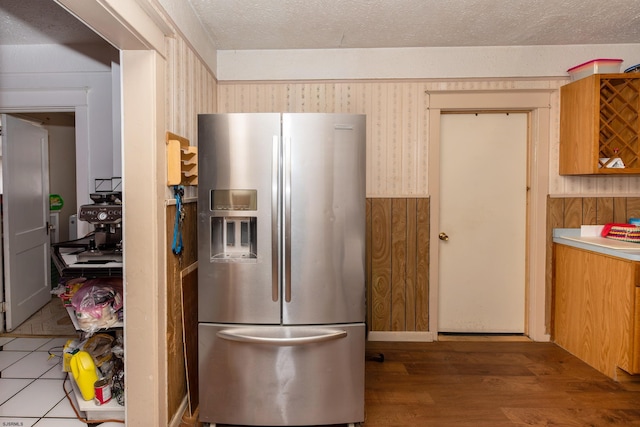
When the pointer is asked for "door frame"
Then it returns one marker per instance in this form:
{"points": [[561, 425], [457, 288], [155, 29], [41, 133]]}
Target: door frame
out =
{"points": [[14, 101], [537, 104]]}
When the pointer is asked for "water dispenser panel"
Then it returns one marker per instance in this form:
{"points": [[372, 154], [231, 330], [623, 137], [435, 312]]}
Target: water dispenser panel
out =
{"points": [[233, 238], [234, 200]]}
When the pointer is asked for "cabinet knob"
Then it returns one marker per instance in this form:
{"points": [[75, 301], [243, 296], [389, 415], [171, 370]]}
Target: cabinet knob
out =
{"points": [[443, 236]]}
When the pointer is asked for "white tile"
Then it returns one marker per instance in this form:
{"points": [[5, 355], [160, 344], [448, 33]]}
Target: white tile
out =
{"points": [[10, 387], [4, 340], [55, 345], [62, 422], [63, 409], [25, 344], [31, 366], [35, 400], [15, 421], [8, 358], [55, 373]]}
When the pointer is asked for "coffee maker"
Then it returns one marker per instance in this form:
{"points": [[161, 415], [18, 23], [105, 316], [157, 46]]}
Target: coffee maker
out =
{"points": [[105, 214]]}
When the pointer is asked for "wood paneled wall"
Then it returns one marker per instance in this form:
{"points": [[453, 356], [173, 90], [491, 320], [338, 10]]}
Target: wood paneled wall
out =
{"points": [[572, 212], [398, 264], [176, 373]]}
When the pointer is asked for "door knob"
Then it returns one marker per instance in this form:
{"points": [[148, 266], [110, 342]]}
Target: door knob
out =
{"points": [[443, 236]]}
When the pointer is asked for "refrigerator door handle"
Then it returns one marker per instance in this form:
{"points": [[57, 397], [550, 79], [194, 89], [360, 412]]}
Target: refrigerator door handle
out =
{"points": [[287, 219], [275, 185], [253, 336]]}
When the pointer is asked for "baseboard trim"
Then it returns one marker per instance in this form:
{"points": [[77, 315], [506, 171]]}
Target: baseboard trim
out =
{"points": [[400, 336]]}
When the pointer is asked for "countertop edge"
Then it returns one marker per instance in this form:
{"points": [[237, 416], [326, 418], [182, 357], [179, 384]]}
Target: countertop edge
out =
{"points": [[560, 234]]}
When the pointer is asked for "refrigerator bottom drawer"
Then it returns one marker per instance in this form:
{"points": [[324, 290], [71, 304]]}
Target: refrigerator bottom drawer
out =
{"points": [[281, 375]]}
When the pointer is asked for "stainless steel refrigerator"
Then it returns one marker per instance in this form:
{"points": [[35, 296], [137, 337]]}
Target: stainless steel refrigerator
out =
{"points": [[281, 268]]}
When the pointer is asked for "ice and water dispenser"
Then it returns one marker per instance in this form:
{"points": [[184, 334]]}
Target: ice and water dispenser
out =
{"points": [[233, 232]]}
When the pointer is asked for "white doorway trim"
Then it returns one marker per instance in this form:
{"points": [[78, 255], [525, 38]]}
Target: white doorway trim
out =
{"points": [[58, 100], [537, 103]]}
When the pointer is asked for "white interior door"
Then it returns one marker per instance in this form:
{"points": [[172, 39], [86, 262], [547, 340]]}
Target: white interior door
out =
{"points": [[25, 205], [483, 180]]}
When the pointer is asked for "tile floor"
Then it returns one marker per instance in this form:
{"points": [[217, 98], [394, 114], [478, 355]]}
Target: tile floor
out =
{"points": [[31, 385]]}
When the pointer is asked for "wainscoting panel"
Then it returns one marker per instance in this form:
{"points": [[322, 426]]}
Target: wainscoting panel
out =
{"points": [[398, 264], [177, 266]]}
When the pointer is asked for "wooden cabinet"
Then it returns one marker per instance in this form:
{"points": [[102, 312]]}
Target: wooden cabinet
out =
{"points": [[596, 309], [599, 124]]}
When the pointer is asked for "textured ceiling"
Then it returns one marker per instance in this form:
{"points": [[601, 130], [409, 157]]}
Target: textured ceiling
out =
{"points": [[41, 22], [309, 24], [322, 24]]}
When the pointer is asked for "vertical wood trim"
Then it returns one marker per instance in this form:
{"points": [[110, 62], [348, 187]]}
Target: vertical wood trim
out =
{"points": [[555, 210], [620, 209], [422, 264], [589, 212], [633, 207], [604, 210], [573, 212], [176, 373], [411, 269], [176, 376], [398, 264], [381, 264], [555, 219], [368, 247]]}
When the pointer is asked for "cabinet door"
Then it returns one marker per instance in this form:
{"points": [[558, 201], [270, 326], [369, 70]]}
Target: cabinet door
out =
{"points": [[600, 125], [594, 308], [635, 355]]}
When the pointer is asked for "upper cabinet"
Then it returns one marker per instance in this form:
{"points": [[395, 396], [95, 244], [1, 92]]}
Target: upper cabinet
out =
{"points": [[600, 125]]}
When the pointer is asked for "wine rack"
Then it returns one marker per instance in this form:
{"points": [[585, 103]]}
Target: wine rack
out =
{"points": [[600, 125]]}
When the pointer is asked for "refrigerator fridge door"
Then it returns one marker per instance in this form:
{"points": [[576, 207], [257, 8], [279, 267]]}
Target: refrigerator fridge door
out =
{"points": [[324, 218], [238, 157], [281, 376]]}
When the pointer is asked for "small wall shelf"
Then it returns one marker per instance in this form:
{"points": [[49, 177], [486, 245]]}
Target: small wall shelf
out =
{"points": [[182, 161]]}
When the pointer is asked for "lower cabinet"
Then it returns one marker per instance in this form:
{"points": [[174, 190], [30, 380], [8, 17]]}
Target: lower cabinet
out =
{"points": [[597, 309]]}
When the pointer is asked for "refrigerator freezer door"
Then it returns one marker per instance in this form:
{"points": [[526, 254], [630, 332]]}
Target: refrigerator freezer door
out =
{"points": [[281, 376], [238, 157], [325, 215]]}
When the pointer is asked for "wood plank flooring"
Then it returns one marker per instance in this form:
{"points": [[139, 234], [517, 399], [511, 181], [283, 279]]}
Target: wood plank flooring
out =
{"points": [[491, 384]]}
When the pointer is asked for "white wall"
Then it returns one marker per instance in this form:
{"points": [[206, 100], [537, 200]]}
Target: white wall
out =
{"points": [[62, 171], [422, 63], [68, 78]]}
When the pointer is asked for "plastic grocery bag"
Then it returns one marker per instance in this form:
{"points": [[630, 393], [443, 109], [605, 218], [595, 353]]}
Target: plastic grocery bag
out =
{"points": [[97, 303]]}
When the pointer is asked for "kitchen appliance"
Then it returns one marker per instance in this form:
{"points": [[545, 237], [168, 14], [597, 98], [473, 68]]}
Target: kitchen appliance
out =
{"points": [[105, 214], [281, 268]]}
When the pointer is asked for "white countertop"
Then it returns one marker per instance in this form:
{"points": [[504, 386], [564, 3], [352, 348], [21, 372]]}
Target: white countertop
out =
{"points": [[70, 257], [617, 248]]}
